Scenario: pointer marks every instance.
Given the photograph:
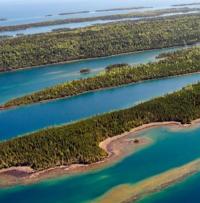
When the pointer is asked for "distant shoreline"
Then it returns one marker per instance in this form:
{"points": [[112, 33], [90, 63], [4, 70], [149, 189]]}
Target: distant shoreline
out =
{"points": [[117, 148], [190, 4], [138, 14], [124, 9]]}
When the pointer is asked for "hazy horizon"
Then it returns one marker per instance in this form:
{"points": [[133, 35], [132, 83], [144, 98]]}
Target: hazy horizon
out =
{"points": [[13, 9]]}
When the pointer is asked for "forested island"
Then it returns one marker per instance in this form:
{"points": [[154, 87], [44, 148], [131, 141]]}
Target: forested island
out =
{"points": [[79, 142], [123, 9], [190, 4], [71, 13], [143, 14], [172, 64], [48, 15], [104, 10], [98, 41], [3, 19]]}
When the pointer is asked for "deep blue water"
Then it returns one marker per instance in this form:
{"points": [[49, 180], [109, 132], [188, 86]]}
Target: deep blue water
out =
{"points": [[168, 151], [19, 83], [30, 118]]}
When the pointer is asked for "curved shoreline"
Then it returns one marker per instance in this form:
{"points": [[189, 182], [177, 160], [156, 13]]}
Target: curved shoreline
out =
{"points": [[117, 147]]}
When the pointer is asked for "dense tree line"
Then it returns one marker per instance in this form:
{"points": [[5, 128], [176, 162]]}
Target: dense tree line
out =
{"points": [[177, 63], [97, 41], [78, 142]]}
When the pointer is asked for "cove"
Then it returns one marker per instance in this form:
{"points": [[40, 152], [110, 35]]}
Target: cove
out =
{"points": [[34, 117], [167, 151], [22, 82]]}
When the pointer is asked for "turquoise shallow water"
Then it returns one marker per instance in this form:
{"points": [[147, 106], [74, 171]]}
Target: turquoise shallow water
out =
{"points": [[30, 118], [19, 83], [167, 151]]}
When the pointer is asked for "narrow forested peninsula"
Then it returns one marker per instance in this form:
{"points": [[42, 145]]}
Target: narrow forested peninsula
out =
{"points": [[98, 41], [79, 142], [172, 64]]}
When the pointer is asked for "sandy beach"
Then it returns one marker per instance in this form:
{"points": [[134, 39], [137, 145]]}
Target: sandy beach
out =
{"points": [[117, 148]]}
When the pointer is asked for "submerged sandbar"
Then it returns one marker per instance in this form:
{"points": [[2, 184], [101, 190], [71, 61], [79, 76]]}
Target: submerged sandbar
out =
{"points": [[131, 193]]}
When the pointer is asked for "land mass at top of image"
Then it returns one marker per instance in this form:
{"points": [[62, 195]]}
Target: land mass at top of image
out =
{"points": [[114, 17], [98, 41]]}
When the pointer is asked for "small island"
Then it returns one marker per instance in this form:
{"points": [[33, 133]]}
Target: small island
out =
{"points": [[123, 9], [85, 71], [48, 15], [136, 141], [190, 4], [3, 19], [72, 13]]}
